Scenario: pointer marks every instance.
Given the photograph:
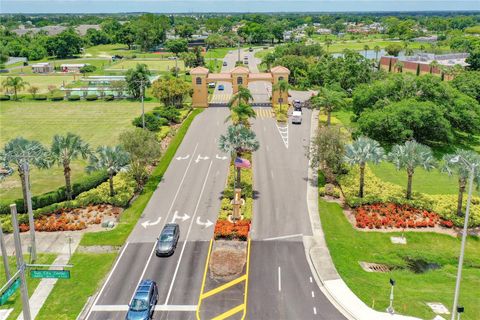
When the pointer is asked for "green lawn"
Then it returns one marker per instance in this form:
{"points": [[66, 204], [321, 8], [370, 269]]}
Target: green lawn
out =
{"points": [[108, 50], [15, 300], [69, 296], [43, 81], [97, 122], [412, 291], [153, 65]]}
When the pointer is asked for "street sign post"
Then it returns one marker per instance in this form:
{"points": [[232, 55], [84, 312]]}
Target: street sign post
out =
{"points": [[10, 291], [56, 274]]}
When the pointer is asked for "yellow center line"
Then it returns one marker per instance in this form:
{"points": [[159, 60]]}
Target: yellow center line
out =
{"points": [[204, 279], [230, 312], [224, 286]]}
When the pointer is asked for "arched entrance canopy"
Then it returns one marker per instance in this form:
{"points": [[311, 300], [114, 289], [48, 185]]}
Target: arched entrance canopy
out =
{"points": [[238, 76]]}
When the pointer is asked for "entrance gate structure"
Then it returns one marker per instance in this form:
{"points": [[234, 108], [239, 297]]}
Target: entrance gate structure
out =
{"points": [[238, 76]]}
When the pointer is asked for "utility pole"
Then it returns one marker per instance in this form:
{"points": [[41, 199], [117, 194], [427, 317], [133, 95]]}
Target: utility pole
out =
{"points": [[176, 66], [31, 223], [142, 86], [4, 255], [238, 58], [20, 264]]}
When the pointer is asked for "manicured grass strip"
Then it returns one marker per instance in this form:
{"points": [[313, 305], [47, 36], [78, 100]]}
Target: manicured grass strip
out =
{"points": [[412, 291], [15, 300], [129, 217], [69, 296]]}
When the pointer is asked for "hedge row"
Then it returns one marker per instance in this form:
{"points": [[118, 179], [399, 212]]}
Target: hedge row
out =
{"points": [[89, 182]]}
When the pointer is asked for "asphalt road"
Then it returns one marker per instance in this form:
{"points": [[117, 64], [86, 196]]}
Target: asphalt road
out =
{"points": [[189, 195]]}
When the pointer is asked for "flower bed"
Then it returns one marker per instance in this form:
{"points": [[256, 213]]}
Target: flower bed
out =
{"points": [[391, 215], [72, 219], [225, 229]]}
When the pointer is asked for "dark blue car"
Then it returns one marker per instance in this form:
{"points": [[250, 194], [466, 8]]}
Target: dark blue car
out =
{"points": [[143, 302]]}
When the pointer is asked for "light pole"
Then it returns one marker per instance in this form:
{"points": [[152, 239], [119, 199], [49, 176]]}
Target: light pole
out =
{"points": [[390, 307], [142, 86], [471, 175], [460, 310], [31, 223], [4, 255]]}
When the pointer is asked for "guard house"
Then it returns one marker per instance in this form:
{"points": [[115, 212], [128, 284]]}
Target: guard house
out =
{"points": [[42, 67]]}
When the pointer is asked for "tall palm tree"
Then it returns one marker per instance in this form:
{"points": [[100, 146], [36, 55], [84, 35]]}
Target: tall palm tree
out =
{"points": [[243, 95], [112, 159], [281, 86], [409, 156], [462, 171], [64, 149], [243, 112], [434, 64], [14, 83], [366, 48], [360, 152], [377, 50], [238, 140], [329, 100], [20, 152]]}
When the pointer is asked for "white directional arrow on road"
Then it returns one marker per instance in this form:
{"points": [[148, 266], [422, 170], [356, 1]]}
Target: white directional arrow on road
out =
{"points": [[183, 158], [206, 224], [220, 158], [201, 158], [148, 223], [185, 217]]}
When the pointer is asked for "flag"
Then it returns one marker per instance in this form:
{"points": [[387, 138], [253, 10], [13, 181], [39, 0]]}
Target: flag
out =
{"points": [[242, 163]]}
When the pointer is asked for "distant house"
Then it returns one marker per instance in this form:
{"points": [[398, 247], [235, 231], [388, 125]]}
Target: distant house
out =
{"points": [[324, 31], [42, 67], [432, 38], [54, 30], [72, 67], [83, 28]]}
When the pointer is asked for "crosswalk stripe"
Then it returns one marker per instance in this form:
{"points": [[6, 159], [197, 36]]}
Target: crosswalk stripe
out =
{"points": [[158, 307]]}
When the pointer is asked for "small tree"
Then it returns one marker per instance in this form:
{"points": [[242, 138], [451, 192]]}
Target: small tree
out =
{"points": [[171, 91], [137, 80], [14, 83], [144, 149], [177, 45], [409, 156], [111, 159], [33, 90], [377, 50], [242, 113], [329, 100], [360, 152], [281, 86], [87, 69], [119, 87], [65, 149], [365, 49], [462, 171], [243, 95]]}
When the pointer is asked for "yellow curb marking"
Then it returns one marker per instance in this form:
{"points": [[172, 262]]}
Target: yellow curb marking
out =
{"points": [[204, 278], [246, 281], [223, 287], [230, 312]]}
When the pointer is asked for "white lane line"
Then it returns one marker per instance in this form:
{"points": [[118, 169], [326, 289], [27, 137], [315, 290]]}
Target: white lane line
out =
{"points": [[124, 307], [279, 279], [311, 280], [271, 173], [313, 294], [108, 279], [144, 269], [188, 232], [314, 310], [285, 237]]}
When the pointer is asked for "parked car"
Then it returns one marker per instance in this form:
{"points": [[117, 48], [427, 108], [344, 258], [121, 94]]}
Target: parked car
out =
{"points": [[211, 84], [143, 303], [250, 49], [225, 63], [297, 117], [297, 105], [168, 239], [245, 62], [221, 87]]}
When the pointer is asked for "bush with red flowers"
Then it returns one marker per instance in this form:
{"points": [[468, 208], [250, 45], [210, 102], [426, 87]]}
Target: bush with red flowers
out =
{"points": [[225, 229], [391, 215]]}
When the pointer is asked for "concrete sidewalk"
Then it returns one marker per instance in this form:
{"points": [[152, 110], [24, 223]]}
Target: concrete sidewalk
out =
{"points": [[322, 265]]}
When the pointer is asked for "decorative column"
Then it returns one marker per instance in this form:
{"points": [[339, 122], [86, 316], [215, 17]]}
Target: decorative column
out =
{"points": [[239, 78], [279, 73], [200, 87]]}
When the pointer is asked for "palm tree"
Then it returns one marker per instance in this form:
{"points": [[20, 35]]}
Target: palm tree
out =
{"points": [[462, 170], [409, 52], [377, 50], [328, 43], [409, 156], [329, 100], [112, 159], [243, 112], [238, 140], [15, 83], [366, 48], [243, 95], [434, 64], [360, 152], [399, 66], [64, 149], [21, 152], [281, 86]]}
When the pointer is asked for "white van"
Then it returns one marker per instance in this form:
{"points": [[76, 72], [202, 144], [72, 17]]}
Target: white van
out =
{"points": [[297, 117]]}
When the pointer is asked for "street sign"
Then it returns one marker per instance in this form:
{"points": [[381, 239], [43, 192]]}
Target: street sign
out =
{"points": [[57, 274], [11, 290]]}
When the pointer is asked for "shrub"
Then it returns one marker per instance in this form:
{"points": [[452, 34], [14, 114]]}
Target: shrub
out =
{"points": [[73, 97], [170, 113], [152, 122], [91, 97], [57, 97], [163, 133], [109, 97], [40, 97], [4, 97], [227, 230]]}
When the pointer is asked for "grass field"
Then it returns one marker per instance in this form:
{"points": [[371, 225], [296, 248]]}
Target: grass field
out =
{"points": [[15, 300], [43, 81], [96, 122], [153, 65], [108, 50], [412, 291]]}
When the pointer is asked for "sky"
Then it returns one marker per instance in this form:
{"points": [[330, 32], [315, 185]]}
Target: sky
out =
{"points": [[225, 6]]}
